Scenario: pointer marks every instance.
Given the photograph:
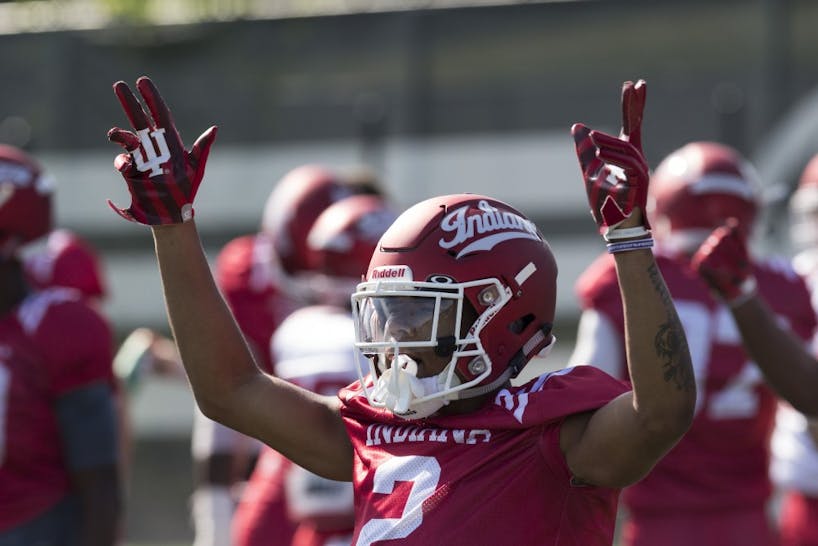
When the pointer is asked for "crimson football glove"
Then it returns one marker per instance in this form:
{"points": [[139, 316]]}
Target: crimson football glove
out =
{"points": [[615, 171], [162, 176], [722, 261]]}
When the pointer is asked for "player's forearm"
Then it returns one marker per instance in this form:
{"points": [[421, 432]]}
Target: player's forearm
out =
{"points": [[786, 363], [664, 391], [210, 344]]}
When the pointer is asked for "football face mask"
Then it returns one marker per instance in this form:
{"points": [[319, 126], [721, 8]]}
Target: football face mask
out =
{"points": [[411, 336]]}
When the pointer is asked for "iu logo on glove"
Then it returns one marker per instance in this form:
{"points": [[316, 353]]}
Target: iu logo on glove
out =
{"points": [[151, 161]]}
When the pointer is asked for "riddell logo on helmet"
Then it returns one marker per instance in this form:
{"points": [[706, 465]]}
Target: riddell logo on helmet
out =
{"points": [[478, 230], [392, 272]]}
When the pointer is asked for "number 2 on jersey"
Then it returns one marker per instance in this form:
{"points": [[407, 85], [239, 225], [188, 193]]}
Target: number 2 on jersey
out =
{"points": [[424, 474], [738, 399]]}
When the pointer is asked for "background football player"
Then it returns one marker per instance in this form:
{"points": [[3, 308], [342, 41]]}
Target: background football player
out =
{"points": [[312, 348], [60, 479], [788, 364], [712, 488]]}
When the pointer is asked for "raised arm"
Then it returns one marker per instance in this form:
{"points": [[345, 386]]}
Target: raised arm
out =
{"points": [[163, 179], [788, 366], [619, 443]]}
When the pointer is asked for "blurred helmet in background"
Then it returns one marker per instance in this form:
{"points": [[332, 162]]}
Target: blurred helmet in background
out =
{"points": [[345, 235], [695, 189], [340, 246], [25, 200], [67, 261], [292, 208]]}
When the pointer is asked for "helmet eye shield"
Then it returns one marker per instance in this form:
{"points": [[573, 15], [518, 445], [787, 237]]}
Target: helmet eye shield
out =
{"points": [[420, 320]]}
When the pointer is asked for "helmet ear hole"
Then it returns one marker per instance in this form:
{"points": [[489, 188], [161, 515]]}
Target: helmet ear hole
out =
{"points": [[518, 326]]}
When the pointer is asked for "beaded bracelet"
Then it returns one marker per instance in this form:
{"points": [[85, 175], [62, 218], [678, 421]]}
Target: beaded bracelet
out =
{"points": [[624, 246]]}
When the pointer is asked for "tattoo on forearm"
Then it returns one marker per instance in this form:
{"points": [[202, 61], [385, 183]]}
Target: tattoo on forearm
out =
{"points": [[670, 345], [670, 341]]}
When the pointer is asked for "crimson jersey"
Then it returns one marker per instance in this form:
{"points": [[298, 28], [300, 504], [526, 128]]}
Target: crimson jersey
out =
{"points": [[722, 461], [51, 343], [494, 476], [250, 281]]}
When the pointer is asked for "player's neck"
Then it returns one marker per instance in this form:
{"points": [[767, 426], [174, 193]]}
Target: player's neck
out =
{"points": [[467, 405], [13, 287]]}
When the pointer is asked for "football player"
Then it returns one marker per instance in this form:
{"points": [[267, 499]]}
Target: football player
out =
{"points": [[712, 488], [59, 461], [339, 246], [458, 297], [68, 261], [790, 367]]}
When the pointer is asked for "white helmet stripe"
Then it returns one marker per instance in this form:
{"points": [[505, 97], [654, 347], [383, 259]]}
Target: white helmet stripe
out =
{"points": [[723, 183]]}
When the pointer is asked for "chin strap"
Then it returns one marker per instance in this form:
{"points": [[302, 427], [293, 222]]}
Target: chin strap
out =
{"points": [[517, 363], [485, 389]]}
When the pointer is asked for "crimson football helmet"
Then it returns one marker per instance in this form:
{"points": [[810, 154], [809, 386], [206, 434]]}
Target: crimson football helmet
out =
{"points": [[67, 261], [293, 206], [695, 189], [465, 260], [344, 236], [340, 246], [25, 199], [804, 208]]}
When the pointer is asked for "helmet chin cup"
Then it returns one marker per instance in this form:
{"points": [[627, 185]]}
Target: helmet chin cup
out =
{"points": [[399, 390]]}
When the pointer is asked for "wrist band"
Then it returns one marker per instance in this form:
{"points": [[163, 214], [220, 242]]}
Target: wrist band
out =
{"points": [[625, 246], [746, 291], [626, 233]]}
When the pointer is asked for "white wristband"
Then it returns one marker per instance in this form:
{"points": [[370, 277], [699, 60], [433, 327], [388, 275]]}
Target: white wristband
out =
{"points": [[617, 234]]}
